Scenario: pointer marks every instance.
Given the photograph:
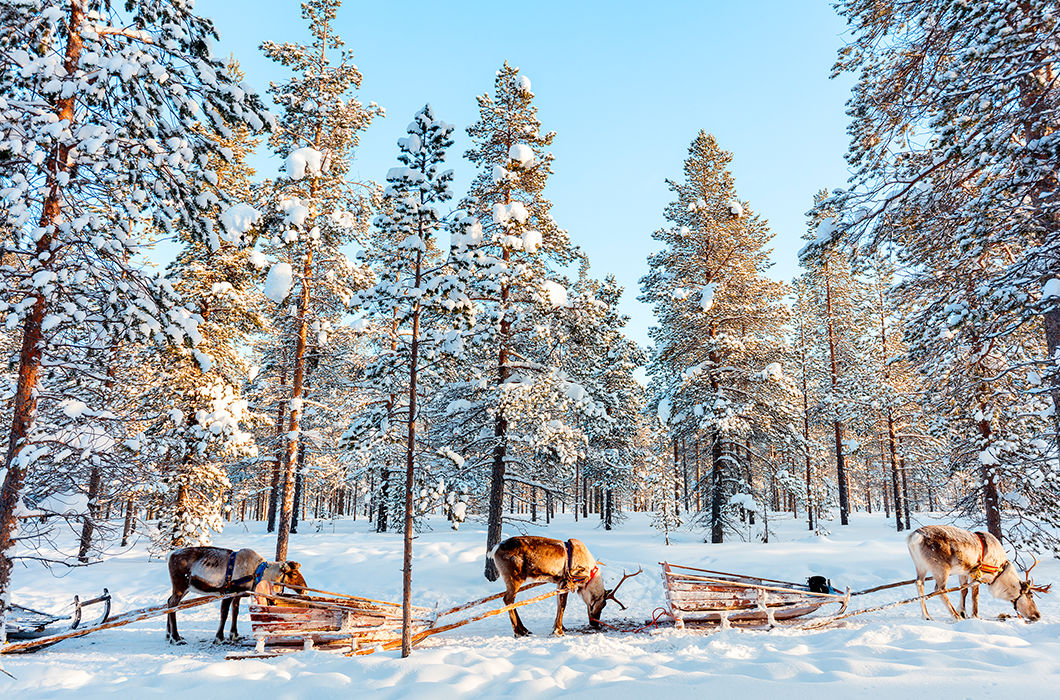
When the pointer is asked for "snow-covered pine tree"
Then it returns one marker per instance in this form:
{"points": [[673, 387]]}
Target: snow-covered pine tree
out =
{"points": [[721, 321], [96, 143], [417, 289], [601, 361], [518, 396], [838, 298], [975, 83], [313, 211]]}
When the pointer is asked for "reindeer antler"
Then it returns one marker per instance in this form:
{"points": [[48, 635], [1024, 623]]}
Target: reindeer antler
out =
{"points": [[611, 593], [1027, 573], [1030, 583]]}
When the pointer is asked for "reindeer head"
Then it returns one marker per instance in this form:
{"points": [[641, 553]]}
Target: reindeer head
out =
{"points": [[1024, 602], [279, 573], [290, 573], [596, 596]]}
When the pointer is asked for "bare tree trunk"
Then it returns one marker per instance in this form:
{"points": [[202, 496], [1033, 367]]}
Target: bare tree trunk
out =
{"points": [[88, 525], [410, 464], [277, 465], [24, 402], [717, 528], [840, 461], [298, 489], [130, 515], [991, 500], [294, 431], [500, 432]]}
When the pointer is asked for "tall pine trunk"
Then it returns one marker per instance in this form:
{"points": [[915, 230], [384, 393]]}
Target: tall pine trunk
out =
{"points": [[24, 402], [89, 524], [840, 460], [410, 465], [717, 528], [277, 464], [293, 435], [500, 434]]}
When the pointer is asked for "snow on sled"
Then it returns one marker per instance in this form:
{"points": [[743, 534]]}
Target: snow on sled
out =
{"points": [[27, 623], [702, 596]]}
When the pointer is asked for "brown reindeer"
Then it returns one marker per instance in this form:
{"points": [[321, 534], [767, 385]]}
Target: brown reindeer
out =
{"points": [[976, 558], [567, 564], [217, 570]]}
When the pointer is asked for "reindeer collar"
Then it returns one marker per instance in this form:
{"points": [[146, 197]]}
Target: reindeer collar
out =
{"points": [[570, 581], [981, 569]]}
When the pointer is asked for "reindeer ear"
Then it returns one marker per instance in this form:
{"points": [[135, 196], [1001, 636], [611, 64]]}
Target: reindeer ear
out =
{"points": [[600, 563], [293, 565]]}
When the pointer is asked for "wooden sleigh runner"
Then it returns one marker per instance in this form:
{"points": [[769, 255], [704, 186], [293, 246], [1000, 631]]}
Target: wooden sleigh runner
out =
{"points": [[705, 597]]}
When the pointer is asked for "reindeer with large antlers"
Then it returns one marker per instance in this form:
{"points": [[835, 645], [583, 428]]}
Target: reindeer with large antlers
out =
{"points": [[567, 564], [976, 557]]}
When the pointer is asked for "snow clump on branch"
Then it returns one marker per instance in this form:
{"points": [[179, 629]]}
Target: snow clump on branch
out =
{"points": [[279, 281], [304, 161]]}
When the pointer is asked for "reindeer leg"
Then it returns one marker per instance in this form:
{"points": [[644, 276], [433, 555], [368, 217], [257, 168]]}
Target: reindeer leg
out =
{"points": [[964, 595], [561, 605], [517, 624], [234, 634], [920, 590], [975, 601], [940, 585], [225, 605], [172, 636]]}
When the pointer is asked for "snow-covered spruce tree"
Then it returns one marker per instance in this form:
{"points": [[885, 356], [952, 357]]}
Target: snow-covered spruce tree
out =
{"points": [[518, 395], [415, 286], [720, 331], [96, 141], [838, 299], [976, 84], [313, 211]]}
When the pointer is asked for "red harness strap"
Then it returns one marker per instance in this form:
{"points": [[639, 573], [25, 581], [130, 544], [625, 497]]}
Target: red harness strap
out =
{"points": [[980, 567]]}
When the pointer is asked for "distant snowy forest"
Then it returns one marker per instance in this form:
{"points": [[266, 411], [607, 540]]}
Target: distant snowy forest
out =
{"points": [[325, 347]]}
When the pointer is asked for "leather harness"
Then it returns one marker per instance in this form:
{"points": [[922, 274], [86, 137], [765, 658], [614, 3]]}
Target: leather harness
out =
{"points": [[237, 584], [570, 580], [980, 569]]}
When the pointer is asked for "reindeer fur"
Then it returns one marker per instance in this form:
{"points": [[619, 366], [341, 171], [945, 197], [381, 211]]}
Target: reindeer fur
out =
{"points": [[521, 560], [942, 549], [203, 569]]}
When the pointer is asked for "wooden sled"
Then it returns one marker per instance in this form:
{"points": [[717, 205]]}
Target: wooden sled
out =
{"points": [[705, 597], [26, 623], [348, 624]]}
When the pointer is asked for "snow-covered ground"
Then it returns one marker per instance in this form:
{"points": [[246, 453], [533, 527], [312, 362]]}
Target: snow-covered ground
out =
{"points": [[892, 653]]}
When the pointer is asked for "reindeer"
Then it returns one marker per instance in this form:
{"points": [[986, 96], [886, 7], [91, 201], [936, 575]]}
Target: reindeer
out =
{"points": [[567, 564], [976, 558], [217, 570]]}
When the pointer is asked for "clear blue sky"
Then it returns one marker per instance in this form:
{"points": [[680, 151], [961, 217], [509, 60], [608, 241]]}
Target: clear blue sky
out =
{"points": [[625, 85]]}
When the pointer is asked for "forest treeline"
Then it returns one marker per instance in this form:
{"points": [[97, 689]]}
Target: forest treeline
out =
{"points": [[322, 346]]}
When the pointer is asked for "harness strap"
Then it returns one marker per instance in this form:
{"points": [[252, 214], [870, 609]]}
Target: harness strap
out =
{"points": [[253, 580], [569, 579], [980, 569], [228, 570]]}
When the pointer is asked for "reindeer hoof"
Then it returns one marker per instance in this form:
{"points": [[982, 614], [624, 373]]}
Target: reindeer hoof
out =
{"points": [[558, 631], [522, 632], [176, 641]]}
